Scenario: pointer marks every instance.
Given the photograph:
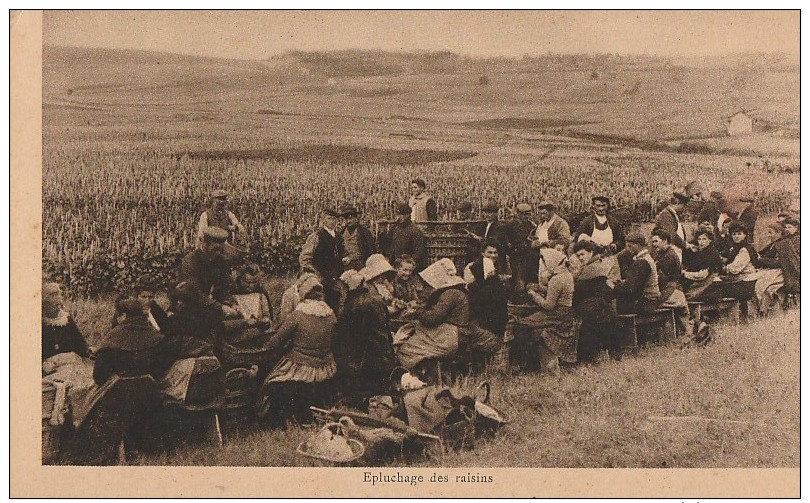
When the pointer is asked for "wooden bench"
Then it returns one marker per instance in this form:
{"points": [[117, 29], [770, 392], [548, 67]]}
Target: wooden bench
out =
{"points": [[659, 324], [727, 309]]}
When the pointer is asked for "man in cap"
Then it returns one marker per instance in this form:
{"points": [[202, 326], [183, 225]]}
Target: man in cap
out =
{"points": [[638, 292], [748, 216], [600, 227], [405, 238], [669, 220], [464, 210], [713, 208], [217, 215], [552, 227], [206, 271], [358, 243], [517, 234], [423, 207], [322, 255]]}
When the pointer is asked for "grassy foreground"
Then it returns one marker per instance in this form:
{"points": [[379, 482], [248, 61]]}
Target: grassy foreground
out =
{"points": [[734, 403]]}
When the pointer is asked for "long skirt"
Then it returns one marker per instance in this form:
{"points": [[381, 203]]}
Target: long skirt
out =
{"points": [[555, 329], [291, 388]]}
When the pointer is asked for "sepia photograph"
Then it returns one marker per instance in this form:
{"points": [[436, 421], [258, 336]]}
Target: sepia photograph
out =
{"points": [[416, 248]]}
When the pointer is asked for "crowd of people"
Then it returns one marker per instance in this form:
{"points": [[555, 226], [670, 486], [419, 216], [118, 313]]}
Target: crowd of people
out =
{"points": [[367, 308]]}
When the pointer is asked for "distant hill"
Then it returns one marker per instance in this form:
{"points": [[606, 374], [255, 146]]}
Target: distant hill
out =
{"points": [[597, 95]]}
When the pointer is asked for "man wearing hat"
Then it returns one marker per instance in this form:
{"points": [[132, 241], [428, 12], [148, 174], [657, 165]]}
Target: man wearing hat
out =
{"points": [[217, 215], [600, 227], [552, 227], [405, 238], [206, 270], [358, 243], [517, 234], [423, 207], [713, 208], [748, 216], [322, 254], [669, 220], [638, 292]]}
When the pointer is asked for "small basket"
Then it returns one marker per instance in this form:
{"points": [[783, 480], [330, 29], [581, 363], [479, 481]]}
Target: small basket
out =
{"points": [[308, 448]]}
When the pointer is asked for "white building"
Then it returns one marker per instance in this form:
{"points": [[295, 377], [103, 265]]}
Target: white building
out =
{"points": [[739, 123]]}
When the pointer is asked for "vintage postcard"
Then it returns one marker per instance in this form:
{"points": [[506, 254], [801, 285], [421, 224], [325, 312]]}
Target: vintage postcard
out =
{"points": [[382, 253]]}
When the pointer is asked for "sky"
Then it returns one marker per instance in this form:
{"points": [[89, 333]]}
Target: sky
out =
{"points": [[261, 34]]}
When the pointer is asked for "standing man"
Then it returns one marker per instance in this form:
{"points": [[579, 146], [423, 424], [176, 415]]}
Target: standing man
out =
{"points": [[552, 227], [217, 215], [517, 233], [669, 220], [322, 254], [405, 238], [423, 207], [602, 228], [748, 216], [358, 243]]}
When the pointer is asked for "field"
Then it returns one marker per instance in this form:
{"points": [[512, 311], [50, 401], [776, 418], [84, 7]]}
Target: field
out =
{"points": [[134, 142]]}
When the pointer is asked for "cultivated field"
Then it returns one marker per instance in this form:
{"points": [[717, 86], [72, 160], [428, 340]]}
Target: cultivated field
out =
{"points": [[134, 142]]}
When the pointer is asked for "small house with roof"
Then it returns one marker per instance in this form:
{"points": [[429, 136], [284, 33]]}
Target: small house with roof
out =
{"points": [[739, 123]]}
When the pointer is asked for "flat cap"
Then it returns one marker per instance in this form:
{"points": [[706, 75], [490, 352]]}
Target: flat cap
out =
{"points": [[601, 199], [419, 182], [219, 193], [524, 207], [347, 210], [215, 234], [332, 212], [546, 205]]}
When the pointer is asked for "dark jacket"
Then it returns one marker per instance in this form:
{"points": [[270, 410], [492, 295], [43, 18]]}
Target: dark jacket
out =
{"points": [[708, 258], [784, 254], [496, 233], [322, 254], [667, 221], [668, 266], [63, 339], [587, 224], [407, 239], [488, 299], [630, 294], [207, 276], [748, 216], [157, 312], [365, 243], [363, 340], [134, 348]]}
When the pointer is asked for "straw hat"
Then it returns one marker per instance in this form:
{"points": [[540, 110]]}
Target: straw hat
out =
{"points": [[376, 265], [441, 274]]}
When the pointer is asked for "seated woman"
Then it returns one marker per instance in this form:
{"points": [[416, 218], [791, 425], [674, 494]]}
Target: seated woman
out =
{"points": [[778, 264], [190, 323], [551, 328], [379, 278], [65, 356], [407, 286], [739, 273], [668, 265], [592, 302], [362, 346], [246, 333], [702, 264], [488, 290], [303, 375], [442, 327], [133, 347]]}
